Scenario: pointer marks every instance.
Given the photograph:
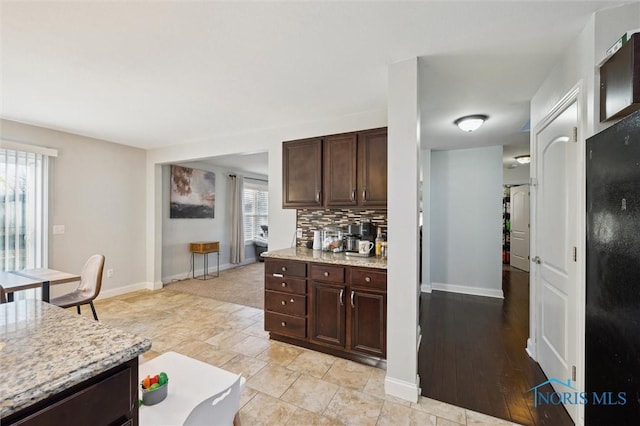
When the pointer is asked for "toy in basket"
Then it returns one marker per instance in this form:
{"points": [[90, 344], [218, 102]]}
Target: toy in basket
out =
{"points": [[154, 388]]}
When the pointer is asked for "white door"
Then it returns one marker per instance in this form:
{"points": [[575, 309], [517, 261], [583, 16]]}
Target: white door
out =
{"points": [[520, 227], [555, 233]]}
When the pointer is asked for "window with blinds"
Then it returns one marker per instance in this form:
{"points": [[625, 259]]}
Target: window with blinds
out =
{"points": [[23, 194], [256, 210]]}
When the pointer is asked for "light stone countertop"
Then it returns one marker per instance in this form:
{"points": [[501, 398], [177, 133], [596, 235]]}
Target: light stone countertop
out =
{"points": [[45, 350], [308, 255]]}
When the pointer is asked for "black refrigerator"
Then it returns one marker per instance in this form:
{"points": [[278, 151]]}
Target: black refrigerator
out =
{"points": [[613, 275]]}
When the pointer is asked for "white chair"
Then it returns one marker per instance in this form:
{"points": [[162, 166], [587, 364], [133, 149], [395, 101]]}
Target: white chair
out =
{"points": [[220, 409], [198, 393], [88, 288]]}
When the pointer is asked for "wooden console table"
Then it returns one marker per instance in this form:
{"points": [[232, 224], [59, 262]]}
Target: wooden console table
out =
{"points": [[204, 248]]}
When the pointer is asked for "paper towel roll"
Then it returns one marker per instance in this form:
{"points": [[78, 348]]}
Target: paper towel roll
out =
{"points": [[317, 240]]}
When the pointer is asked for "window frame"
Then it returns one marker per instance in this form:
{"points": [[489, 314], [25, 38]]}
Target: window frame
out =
{"points": [[257, 187]]}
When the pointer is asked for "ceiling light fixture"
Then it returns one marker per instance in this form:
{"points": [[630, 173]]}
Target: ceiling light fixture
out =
{"points": [[523, 159], [470, 123]]}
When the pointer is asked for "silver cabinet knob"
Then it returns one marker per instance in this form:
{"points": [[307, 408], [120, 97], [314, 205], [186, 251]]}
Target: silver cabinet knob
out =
{"points": [[326, 274], [284, 303], [284, 324], [283, 284], [291, 301], [537, 260], [367, 279], [284, 269]]}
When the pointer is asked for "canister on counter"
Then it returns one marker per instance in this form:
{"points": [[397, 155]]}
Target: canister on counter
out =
{"points": [[383, 250]]}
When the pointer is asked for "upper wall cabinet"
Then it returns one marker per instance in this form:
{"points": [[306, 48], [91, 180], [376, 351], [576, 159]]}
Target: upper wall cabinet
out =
{"points": [[620, 81], [302, 173], [340, 170], [372, 168], [353, 169]]}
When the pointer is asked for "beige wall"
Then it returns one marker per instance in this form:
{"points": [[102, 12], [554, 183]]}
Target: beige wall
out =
{"points": [[97, 191]]}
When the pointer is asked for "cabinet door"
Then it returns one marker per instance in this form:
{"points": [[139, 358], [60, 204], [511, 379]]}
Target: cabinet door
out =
{"points": [[302, 173], [372, 168], [368, 312], [327, 314], [340, 177]]}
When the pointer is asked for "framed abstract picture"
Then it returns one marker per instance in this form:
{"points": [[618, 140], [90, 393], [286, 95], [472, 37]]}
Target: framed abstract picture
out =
{"points": [[193, 193]]}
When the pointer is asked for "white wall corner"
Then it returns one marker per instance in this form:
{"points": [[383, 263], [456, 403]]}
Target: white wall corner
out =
{"points": [[473, 291], [401, 389], [426, 287]]}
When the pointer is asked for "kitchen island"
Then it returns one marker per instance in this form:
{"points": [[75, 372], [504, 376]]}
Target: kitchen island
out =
{"points": [[57, 367], [330, 302]]}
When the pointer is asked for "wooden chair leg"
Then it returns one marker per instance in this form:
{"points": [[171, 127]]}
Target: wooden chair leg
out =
{"points": [[78, 307], [93, 309]]}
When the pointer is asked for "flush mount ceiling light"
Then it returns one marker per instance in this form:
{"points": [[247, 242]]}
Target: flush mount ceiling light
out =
{"points": [[470, 123], [523, 159]]}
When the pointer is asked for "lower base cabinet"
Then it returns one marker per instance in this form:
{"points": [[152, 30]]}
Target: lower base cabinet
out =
{"points": [[368, 322], [345, 313], [328, 314], [111, 398]]}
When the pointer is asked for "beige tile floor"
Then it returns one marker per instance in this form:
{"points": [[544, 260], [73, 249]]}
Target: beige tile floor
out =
{"points": [[286, 385]]}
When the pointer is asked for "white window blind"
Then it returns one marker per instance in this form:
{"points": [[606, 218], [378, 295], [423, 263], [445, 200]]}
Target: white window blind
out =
{"points": [[256, 211], [23, 204]]}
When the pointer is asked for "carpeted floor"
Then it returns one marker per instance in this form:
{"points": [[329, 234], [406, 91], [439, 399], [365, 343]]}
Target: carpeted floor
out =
{"points": [[243, 285]]}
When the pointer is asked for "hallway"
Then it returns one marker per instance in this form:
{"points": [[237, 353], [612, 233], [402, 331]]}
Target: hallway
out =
{"points": [[473, 353]]}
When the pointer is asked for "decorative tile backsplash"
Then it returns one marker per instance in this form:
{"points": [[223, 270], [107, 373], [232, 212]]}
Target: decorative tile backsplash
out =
{"points": [[310, 220]]}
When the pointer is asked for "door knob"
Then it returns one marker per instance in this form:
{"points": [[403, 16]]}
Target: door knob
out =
{"points": [[537, 260]]}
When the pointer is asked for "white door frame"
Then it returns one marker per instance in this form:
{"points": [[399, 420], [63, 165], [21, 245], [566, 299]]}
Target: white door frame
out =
{"points": [[576, 94]]}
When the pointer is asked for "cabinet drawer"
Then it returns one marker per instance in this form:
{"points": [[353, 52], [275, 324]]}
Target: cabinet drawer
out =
{"points": [[368, 278], [285, 303], [285, 268], [287, 285], [285, 325], [333, 274]]}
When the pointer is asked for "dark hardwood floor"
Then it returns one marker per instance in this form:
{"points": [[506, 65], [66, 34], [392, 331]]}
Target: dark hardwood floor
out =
{"points": [[473, 353]]}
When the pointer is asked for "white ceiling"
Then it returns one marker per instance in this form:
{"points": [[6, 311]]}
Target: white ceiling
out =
{"points": [[152, 74]]}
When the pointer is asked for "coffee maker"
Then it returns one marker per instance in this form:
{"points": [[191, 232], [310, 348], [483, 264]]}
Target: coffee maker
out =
{"points": [[351, 238], [363, 231], [367, 231]]}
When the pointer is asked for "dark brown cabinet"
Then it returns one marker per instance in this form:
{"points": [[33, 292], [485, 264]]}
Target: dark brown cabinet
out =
{"points": [[368, 312], [350, 171], [285, 298], [110, 398], [302, 173], [344, 311], [328, 313], [620, 81], [372, 168], [340, 170]]}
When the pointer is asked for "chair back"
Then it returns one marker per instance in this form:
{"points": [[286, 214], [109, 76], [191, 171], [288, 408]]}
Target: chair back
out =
{"points": [[218, 410], [3, 297], [91, 277]]}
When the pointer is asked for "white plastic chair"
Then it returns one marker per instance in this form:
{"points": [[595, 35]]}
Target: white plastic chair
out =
{"points": [[218, 410]]}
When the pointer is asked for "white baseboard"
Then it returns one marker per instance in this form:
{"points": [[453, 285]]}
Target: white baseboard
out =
{"points": [[474, 291], [531, 349], [105, 294], [401, 389], [212, 270], [425, 287]]}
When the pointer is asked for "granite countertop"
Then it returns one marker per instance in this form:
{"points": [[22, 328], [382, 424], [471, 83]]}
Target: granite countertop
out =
{"points": [[45, 350], [308, 255]]}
